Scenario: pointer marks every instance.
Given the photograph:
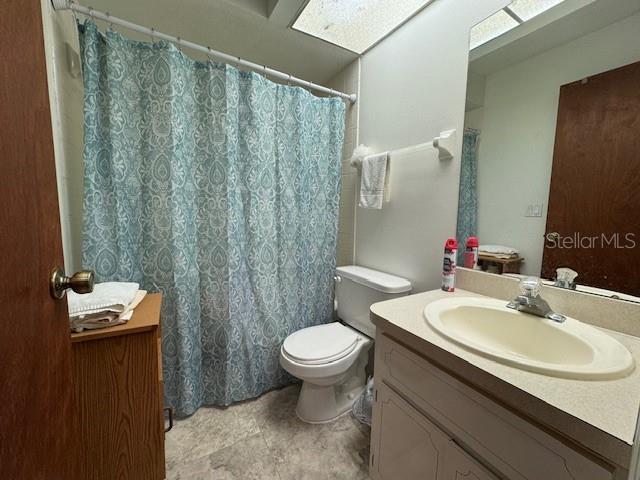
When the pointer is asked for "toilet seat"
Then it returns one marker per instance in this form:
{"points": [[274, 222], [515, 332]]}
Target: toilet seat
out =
{"points": [[320, 344]]}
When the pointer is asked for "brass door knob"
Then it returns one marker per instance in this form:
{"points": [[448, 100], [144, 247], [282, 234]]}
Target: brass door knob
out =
{"points": [[79, 282]]}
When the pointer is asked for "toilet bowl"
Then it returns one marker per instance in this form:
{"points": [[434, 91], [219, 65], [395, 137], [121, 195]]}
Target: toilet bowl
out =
{"points": [[331, 358]]}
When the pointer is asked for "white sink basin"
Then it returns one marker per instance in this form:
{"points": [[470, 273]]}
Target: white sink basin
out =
{"points": [[571, 349]]}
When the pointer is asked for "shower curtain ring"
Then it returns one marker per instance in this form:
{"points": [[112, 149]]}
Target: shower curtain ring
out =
{"points": [[289, 80], [75, 16], [109, 22], [153, 36], [180, 44], [91, 14]]}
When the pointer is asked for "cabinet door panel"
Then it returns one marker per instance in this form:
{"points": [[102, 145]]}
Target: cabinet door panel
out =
{"points": [[459, 465], [408, 445]]}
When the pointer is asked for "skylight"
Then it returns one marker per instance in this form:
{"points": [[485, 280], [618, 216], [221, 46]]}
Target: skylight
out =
{"points": [[355, 25], [510, 17], [494, 26]]}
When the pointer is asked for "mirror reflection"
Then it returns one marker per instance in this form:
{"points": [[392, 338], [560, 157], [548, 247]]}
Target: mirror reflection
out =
{"points": [[550, 180]]}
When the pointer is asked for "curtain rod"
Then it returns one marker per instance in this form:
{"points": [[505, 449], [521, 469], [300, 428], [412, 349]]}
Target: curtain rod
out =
{"points": [[110, 19]]}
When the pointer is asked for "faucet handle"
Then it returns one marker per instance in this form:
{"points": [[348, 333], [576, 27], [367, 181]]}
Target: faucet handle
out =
{"points": [[530, 286], [566, 278]]}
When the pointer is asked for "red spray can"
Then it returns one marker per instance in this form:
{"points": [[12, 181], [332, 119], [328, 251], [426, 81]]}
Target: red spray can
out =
{"points": [[449, 265], [471, 253]]}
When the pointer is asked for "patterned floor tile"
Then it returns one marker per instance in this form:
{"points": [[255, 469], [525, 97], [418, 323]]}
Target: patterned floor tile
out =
{"points": [[207, 431], [264, 437], [249, 459]]}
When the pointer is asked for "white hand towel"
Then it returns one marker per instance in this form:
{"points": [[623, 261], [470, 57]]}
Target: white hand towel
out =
{"points": [[106, 297], [374, 183]]}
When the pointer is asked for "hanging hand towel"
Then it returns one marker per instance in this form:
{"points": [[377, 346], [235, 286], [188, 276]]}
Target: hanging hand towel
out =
{"points": [[374, 184]]}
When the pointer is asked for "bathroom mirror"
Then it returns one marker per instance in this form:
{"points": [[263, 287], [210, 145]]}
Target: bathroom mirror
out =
{"points": [[550, 175]]}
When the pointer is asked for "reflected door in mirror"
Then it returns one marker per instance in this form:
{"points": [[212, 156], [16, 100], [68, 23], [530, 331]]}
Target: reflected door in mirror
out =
{"points": [[593, 222]]}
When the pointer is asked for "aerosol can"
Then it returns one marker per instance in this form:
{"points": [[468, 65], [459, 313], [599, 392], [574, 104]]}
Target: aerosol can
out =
{"points": [[471, 253], [449, 265]]}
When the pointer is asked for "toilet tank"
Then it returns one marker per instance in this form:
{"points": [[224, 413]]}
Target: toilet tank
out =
{"points": [[357, 288]]}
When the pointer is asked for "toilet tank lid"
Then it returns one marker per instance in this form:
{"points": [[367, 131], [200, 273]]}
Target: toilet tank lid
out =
{"points": [[380, 281]]}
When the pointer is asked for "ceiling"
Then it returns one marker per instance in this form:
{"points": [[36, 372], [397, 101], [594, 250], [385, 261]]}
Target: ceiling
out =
{"points": [[569, 20], [256, 30]]}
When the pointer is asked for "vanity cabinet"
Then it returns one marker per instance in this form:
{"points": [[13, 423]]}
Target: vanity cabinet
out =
{"points": [[119, 396], [459, 465], [430, 425], [411, 446]]}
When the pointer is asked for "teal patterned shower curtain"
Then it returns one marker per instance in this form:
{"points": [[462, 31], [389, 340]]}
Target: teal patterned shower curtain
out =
{"points": [[219, 188], [468, 194]]}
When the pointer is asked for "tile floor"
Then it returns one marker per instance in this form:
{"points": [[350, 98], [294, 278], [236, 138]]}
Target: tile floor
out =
{"points": [[263, 439]]}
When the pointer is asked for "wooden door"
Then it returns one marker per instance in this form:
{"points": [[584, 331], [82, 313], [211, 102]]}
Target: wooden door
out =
{"points": [[594, 200], [405, 444], [38, 428]]}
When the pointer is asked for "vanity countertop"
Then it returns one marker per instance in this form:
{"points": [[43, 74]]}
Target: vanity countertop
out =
{"points": [[601, 415]]}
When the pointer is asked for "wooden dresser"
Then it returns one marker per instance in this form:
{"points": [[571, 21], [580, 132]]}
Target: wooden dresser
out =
{"points": [[119, 396], [501, 265]]}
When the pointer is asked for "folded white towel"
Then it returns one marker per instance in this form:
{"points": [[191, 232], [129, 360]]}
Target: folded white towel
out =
{"points": [[374, 183], [106, 297], [93, 321], [498, 256], [97, 320], [497, 249]]}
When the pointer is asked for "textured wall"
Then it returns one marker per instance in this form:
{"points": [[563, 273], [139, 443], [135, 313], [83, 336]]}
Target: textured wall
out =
{"points": [[413, 87], [348, 80]]}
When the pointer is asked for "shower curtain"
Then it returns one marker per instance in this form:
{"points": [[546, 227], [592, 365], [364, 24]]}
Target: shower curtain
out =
{"points": [[468, 194], [219, 188]]}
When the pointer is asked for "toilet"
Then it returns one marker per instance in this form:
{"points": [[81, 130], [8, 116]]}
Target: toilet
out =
{"points": [[330, 359]]}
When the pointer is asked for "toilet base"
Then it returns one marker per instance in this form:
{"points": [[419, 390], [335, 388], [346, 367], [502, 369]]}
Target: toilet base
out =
{"points": [[324, 404]]}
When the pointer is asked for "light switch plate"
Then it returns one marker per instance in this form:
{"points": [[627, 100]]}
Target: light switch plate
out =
{"points": [[534, 210]]}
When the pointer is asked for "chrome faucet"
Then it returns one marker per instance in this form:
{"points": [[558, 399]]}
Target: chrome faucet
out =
{"points": [[566, 278], [530, 301]]}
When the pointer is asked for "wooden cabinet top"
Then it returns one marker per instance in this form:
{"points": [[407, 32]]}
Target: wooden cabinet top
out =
{"points": [[146, 316]]}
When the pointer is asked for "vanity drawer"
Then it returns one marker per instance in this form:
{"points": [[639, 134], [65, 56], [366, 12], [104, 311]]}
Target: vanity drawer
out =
{"points": [[506, 441]]}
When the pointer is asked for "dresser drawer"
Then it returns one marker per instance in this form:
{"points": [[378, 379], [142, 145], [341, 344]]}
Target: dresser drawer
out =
{"points": [[510, 444]]}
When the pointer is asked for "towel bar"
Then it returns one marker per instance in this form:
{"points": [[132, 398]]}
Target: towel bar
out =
{"points": [[445, 143]]}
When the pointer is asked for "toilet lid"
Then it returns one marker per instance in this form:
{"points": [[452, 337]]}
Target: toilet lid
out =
{"points": [[320, 344]]}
